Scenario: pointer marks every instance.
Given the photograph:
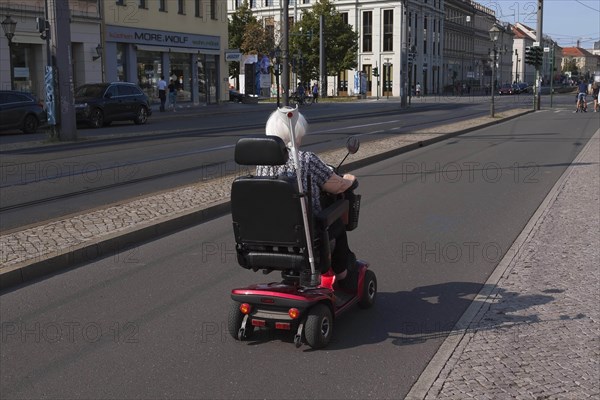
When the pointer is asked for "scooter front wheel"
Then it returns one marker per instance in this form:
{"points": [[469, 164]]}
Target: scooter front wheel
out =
{"points": [[369, 290], [319, 326]]}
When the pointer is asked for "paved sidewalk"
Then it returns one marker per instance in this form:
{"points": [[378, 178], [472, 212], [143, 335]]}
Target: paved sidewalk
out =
{"points": [[536, 334], [40, 250]]}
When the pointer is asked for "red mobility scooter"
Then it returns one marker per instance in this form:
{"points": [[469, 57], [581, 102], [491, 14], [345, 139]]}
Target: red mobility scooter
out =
{"points": [[275, 231]]}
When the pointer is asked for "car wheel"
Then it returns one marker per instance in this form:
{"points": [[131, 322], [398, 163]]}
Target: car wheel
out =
{"points": [[142, 116], [96, 118], [30, 124]]}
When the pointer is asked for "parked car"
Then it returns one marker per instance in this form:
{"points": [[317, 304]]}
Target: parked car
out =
{"points": [[20, 110], [236, 96], [507, 88], [99, 104], [524, 87]]}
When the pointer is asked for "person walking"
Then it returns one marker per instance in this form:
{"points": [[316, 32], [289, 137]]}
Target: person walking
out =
{"points": [[172, 95], [162, 92], [595, 91], [315, 92]]}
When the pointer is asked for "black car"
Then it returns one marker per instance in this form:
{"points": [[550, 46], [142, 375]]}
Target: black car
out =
{"points": [[236, 96], [19, 110], [99, 104]]}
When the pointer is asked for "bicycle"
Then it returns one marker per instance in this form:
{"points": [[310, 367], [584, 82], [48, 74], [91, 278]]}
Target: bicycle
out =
{"points": [[303, 100], [581, 103]]}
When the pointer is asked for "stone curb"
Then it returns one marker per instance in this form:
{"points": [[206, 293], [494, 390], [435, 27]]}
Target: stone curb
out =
{"points": [[72, 255]]}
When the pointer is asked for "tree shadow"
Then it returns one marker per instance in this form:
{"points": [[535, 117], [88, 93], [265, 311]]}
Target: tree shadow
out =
{"points": [[431, 313]]}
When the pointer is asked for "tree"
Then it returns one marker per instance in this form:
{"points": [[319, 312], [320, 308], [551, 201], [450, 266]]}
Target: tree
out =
{"points": [[341, 42], [570, 65]]}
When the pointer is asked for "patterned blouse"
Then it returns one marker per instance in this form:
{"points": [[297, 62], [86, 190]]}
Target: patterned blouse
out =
{"points": [[309, 163]]}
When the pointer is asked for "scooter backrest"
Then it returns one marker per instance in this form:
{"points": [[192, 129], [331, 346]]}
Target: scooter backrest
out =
{"points": [[261, 150]]}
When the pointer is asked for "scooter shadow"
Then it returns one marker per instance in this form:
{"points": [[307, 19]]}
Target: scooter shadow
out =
{"points": [[430, 313]]}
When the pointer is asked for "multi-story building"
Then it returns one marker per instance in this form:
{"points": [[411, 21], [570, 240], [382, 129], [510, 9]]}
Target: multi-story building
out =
{"points": [[587, 63], [382, 28], [29, 55], [126, 40], [467, 46], [181, 39], [433, 43]]}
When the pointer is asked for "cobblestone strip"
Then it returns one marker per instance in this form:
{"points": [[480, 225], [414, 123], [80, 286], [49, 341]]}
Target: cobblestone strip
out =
{"points": [[539, 337], [58, 237]]}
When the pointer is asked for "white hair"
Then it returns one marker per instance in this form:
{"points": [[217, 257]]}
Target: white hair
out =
{"points": [[279, 121]]}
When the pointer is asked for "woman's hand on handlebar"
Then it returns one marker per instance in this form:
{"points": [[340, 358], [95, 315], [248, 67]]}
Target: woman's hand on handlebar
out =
{"points": [[354, 182]]}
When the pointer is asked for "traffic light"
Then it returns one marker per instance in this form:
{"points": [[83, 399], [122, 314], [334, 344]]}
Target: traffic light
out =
{"points": [[375, 71], [534, 55], [529, 56], [539, 55]]}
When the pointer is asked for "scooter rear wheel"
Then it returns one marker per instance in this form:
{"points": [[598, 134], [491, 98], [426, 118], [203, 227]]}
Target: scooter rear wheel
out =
{"points": [[234, 323], [319, 326]]}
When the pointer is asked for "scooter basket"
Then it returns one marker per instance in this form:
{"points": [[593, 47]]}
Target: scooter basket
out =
{"points": [[353, 211]]}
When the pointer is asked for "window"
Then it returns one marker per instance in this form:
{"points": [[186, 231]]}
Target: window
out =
{"points": [[120, 2], [181, 6], [388, 30], [367, 31], [425, 35], [162, 5], [197, 8], [143, 4], [213, 9], [344, 17]]}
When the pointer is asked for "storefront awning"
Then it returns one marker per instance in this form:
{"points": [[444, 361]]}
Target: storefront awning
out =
{"points": [[176, 49], [22, 37]]}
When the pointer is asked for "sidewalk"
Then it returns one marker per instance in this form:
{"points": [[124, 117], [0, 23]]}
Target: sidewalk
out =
{"points": [[52, 246], [535, 333]]}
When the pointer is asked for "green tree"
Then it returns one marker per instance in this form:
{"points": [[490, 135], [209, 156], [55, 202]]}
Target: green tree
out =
{"points": [[341, 42], [570, 65]]}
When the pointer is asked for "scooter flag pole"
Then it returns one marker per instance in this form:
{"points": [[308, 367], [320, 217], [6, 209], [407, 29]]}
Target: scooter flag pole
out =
{"points": [[289, 114]]}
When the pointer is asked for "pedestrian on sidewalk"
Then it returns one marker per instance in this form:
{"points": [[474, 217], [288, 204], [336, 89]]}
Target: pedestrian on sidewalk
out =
{"points": [[172, 95], [315, 92], [595, 91], [162, 92]]}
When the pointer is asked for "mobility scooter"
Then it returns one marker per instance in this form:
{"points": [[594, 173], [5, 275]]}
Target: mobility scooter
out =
{"points": [[275, 231]]}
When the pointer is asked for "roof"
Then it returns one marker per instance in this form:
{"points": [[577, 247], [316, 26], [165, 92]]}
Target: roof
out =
{"points": [[576, 52]]}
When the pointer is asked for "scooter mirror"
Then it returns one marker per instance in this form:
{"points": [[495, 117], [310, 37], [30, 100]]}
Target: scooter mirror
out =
{"points": [[352, 144]]}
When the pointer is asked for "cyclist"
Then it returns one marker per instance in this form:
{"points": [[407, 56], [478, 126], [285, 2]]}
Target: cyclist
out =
{"points": [[581, 92]]}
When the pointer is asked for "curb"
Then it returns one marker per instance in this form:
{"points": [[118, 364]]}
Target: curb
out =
{"points": [[118, 241]]}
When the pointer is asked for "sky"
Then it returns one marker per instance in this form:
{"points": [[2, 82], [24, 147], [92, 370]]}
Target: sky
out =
{"points": [[565, 21]]}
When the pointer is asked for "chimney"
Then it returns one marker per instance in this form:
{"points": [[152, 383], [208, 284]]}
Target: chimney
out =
{"points": [[577, 42]]}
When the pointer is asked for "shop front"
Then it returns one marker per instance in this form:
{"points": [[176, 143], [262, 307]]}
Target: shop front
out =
{"points": [[143, 56]]}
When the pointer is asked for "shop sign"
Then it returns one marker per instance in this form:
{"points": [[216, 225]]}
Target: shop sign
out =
{"points": [[161, 38]]}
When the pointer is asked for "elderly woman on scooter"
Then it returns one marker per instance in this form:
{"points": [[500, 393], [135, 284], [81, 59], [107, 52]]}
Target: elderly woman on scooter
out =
{"points": [[323, 178]]}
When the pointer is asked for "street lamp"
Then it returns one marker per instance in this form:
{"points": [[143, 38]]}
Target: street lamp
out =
{"points": [[494, 35], [8, 26]]}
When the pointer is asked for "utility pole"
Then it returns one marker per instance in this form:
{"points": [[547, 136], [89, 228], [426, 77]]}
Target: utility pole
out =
{"points": [[285, 72], [404, 63], [59, 17], [538, 36], [322, 61]]}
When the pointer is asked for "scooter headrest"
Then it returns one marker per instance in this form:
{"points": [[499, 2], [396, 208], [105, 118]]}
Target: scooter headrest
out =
{"points": [[261, 150]]}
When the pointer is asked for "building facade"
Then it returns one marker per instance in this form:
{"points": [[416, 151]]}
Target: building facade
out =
{"points": [[126, 40], [29, 50], [183, 40]]}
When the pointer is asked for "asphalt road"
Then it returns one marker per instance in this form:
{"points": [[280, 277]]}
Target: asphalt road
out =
{"points": [[150, 322], [41, 183]]}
